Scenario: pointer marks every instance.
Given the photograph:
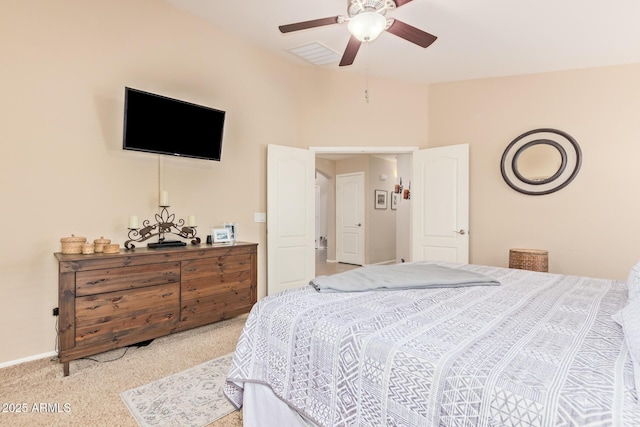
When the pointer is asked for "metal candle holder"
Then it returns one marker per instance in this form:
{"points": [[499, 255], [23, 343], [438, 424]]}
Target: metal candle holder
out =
{"points": [[165, 224]]}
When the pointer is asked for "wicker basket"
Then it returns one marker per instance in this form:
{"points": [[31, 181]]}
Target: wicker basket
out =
{"points": [[88, 248], [100, 243], [73, 244], [112, 248], [529, 259]]}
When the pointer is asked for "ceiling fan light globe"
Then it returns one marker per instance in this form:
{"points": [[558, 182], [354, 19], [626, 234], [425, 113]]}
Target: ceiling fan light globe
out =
{"points": [[367, 26]]}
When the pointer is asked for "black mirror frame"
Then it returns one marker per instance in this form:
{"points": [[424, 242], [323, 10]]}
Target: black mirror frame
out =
{"points": [[520, 179]]}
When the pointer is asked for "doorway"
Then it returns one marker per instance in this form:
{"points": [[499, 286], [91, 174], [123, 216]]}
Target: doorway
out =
{"points": [[291, 207], [386, 231]]}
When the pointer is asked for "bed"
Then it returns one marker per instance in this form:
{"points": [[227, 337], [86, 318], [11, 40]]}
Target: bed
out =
{"points": [[534, 349]]}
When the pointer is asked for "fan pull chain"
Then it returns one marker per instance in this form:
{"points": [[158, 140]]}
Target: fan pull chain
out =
{"points": [[366, 82], [366, 86]]}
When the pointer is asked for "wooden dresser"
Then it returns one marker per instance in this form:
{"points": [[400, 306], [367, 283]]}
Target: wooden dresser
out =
{"points": [[108, 301]]}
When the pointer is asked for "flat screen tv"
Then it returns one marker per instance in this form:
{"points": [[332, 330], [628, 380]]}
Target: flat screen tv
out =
{"points": [[158, 124]]}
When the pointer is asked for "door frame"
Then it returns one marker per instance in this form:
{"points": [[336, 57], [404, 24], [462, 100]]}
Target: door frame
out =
{"points": [[361, 150]]}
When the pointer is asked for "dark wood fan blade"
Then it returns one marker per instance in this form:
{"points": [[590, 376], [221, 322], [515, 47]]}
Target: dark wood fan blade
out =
{"points": [[402, 2], [412, 34], [350, 52], [308, 24]]}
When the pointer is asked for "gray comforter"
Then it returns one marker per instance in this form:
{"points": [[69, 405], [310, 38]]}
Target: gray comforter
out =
{"points": [[539, 350], [400, 276]]}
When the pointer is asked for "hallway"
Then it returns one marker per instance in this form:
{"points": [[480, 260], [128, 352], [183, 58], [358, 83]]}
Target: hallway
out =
{"points": [[324, 268]]}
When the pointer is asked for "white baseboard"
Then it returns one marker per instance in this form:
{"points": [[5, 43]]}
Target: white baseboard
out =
{"points": [[393, 261], [27, 359]]}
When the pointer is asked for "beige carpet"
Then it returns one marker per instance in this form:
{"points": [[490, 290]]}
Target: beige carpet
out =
{"points": [[90, 395]]}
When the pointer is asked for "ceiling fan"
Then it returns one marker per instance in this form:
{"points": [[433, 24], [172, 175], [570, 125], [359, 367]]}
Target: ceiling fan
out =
{"points": [[366, 21]]}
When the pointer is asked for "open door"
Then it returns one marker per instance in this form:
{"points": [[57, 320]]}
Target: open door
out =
{"points": [[440, 204], [290, 217]]}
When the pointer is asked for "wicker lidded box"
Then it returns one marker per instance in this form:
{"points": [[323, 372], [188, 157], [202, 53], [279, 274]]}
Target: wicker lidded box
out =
{"points": [[529, 259], [73, 244], [101, 243]]}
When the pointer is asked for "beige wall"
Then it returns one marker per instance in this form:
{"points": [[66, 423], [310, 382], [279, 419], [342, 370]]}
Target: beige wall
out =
{"points": [[335, 112], [64, 68], [590, 227], [381, 224]]}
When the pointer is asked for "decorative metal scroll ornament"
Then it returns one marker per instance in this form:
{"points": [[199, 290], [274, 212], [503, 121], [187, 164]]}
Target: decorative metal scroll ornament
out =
{"points": [[541, 161], [165, 224]]}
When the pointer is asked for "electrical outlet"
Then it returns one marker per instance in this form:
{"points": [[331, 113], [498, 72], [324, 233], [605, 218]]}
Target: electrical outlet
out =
{"points": [[56, 311]]}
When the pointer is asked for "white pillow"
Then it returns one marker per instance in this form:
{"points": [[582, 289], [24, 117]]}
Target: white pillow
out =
{"points": [[633, 282], [629, 319]]}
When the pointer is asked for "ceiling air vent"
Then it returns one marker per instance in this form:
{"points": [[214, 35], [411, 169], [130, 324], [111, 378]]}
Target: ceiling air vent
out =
{"points": [[316, 53]]}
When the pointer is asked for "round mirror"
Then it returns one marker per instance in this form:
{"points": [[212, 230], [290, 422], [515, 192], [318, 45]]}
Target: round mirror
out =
{"points": [[542, 165], [539, 162]]}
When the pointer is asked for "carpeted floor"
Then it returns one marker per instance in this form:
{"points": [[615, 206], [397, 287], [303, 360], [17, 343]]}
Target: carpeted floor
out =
{"points": [[90, 395]]}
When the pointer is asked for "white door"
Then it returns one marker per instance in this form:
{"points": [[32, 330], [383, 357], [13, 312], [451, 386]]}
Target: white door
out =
{"points": [[350, 218], [290, 217], [440, 204]]}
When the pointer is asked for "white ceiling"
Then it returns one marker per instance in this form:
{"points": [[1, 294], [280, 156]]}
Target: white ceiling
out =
{"points": [[476, 38]]}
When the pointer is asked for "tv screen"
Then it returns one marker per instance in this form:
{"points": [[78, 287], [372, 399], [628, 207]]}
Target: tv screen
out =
{"points": [[158, 124]]}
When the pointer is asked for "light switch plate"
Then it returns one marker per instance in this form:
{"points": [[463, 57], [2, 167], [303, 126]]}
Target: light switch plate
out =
{"points": [[260, 217]]}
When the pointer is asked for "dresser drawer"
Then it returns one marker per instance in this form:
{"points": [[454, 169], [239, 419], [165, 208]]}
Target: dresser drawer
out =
{"points": [[214, 266], [212, 308], [113, 316], [121, 278], [216, 285]]}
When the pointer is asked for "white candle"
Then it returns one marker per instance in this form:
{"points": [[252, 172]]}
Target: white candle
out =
{"points": [[133, 222], [192, 221], [164, 198]]}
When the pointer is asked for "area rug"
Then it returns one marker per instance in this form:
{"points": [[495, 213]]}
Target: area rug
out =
{"points": [[189, 398]]}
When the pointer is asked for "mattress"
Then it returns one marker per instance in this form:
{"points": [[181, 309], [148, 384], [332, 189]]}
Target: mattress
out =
{"points": [[540, 349]]}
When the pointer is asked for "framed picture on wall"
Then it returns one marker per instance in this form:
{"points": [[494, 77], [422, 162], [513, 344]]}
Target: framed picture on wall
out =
{"points": [[380, 199], [394, 200]]}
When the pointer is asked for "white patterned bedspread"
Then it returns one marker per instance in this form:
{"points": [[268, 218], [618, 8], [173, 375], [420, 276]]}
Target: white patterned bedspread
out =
{"points": [[540, 350]]}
